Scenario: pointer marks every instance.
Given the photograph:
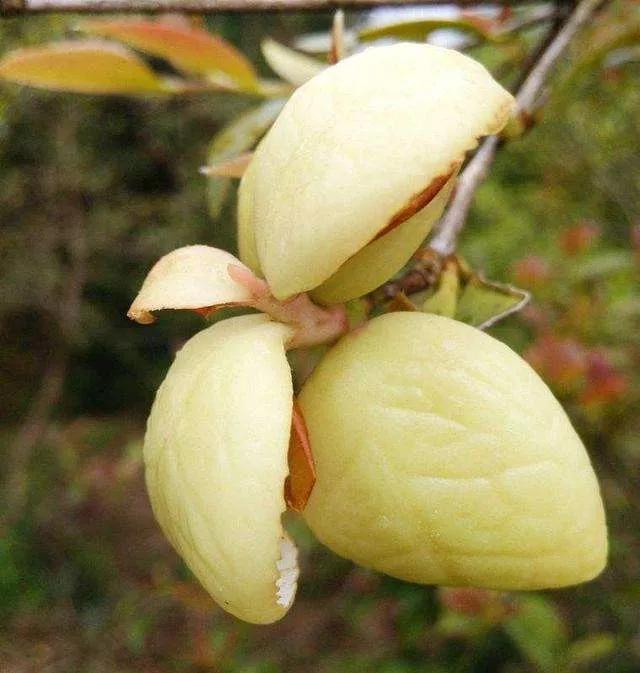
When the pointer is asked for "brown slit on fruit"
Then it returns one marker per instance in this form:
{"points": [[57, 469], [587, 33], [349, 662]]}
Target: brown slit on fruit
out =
{"points": [[208, 311], [418, 201], [302, 470]]}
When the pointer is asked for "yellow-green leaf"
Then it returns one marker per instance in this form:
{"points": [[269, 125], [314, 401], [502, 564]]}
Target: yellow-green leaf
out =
{"points": [[185, 46], [482, 303], [538, 632], [420, 30], [235, 139], [81, 67], [445, 298], [291, 65]]}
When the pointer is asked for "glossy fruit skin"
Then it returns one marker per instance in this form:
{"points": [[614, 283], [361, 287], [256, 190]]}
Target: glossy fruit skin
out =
{"points": [[215, 454], [442, 458], [351, 149]]}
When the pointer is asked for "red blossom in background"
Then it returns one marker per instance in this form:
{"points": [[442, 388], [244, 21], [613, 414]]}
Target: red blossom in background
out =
{"points": [[579, 238], [562, 362], [604, 382], [531, 271]]}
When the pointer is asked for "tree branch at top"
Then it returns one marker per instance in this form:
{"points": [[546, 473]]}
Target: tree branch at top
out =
{"points": [[534, 81], [16, 7], [445, 239]]}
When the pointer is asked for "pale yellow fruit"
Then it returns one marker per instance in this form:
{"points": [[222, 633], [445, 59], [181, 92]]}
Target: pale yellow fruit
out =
{"points": [[379, 260], [192, 277], [246, 236], [443, 458], [352, 148], [216, 461]]}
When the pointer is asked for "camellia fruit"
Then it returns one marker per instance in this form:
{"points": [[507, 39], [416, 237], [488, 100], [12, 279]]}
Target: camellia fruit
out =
{"points": [[442, 458], [215, 454], [420, 446], [359, 165]]}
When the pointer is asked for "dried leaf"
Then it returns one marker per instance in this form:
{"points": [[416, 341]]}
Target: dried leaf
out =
{"points": [[401, 303], [185, 46], [82, 67], [482, 303], [291, 65], [238, 137], [337, 52], [302, 470]]}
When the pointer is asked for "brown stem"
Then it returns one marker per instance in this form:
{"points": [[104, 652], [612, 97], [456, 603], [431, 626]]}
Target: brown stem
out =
{"points": [[534, 81], [14, 7]]}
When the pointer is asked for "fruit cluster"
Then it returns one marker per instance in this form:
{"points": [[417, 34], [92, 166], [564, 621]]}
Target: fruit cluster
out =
{"points": [[421, 446]]}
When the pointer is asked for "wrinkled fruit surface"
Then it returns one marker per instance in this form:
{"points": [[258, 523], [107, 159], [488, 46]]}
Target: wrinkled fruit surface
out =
{"points": [[443, 458], [216, 461]]}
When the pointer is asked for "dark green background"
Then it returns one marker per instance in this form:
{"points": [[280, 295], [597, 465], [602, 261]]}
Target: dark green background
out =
{"points": [[92, 191]]}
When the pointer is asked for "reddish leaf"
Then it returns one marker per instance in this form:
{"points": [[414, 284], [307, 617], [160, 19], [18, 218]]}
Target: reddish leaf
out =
{"points": [[82, 67], [337, 52], [302, 469], [187, 47], [229, 168]]}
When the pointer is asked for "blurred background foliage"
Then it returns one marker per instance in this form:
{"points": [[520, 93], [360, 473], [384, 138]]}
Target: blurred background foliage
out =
{"points": [[93, 190]]}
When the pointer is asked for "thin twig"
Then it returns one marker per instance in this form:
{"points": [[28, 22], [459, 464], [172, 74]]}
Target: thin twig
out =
{"points": [[445, 240], [14, 7]]}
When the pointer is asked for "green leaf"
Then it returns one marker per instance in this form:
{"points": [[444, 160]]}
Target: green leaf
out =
{"points": [[82, 67], [185, 46], [421, 29], [482, 303], [611, 38], [291, 65], [538, 632], [235, 139], [445, 298], [584, 652], [602, 265], [466, 295]]}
